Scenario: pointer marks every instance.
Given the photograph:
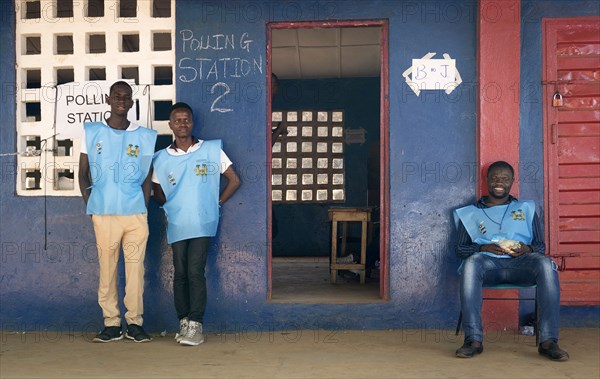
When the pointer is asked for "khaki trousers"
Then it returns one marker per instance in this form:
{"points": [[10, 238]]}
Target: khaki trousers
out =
{"points": [[130, 232]]}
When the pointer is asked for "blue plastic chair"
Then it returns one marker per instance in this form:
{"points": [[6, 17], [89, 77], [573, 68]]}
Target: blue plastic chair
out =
{"points": [[508, 287]]}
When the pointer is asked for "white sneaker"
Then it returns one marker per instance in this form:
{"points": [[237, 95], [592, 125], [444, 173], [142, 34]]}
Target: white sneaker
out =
{"points": [[194, 335], [183, 328]]}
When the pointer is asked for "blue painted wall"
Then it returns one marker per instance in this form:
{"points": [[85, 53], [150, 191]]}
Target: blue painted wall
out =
{"points": [[424, 134], [432, 166]]}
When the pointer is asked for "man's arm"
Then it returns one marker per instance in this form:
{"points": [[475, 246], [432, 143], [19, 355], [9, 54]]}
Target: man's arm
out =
{"points": [[279, 130], [464, 245], [85, 180], [233, 183], [537, 240], [159, 195], [537, 243], [147, 186]]}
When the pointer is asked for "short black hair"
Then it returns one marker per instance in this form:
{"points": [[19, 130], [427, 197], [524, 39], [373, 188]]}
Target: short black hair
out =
{"points": [[501, 164], [120, 83], [181, 105]]}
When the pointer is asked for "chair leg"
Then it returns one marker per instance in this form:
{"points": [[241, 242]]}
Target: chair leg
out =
{"points": [[536, 328], [458, 323]]}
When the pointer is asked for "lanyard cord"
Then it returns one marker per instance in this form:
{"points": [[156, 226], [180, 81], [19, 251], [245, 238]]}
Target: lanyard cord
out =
{"points": [[492, 220]]}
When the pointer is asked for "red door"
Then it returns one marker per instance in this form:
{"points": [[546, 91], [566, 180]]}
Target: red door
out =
{"points": [[572, 154]]}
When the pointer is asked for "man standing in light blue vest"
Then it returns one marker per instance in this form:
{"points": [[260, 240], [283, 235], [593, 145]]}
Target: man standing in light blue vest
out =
{"points": [[186, 182], [500, 240], [114, 180]]}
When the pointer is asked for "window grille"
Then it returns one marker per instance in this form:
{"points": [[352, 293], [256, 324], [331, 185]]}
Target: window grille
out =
{"points": [[64, 41], [308, 160]]}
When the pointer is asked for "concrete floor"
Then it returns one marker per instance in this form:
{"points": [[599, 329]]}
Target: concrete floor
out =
{"points": [[306, 280], [301, 354]]}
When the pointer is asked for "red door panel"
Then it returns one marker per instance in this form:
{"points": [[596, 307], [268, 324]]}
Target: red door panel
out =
{"points": [[572, 154], [577, 285]]}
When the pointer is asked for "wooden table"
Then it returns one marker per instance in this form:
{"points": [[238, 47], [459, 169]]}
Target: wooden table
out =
{"points": [[345, 215]]}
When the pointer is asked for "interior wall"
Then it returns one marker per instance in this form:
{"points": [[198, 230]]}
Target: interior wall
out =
{"points": [[305, 229]]}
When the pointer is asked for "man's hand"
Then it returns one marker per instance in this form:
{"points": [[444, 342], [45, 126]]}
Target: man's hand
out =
{"points": [[514, 252], [522, 249], [280, 130], [492, 248]]}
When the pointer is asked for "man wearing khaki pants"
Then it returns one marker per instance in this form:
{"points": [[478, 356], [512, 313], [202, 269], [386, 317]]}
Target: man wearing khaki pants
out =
{"points": [[114, 180]]}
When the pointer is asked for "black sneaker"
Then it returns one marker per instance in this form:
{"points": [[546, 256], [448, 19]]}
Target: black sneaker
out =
{"points": [[110, 333], [137, 334], [469, 349], [552, 351]]}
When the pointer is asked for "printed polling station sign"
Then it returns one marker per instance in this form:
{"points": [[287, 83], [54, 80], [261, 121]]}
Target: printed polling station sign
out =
{"points": [[79, 102]]}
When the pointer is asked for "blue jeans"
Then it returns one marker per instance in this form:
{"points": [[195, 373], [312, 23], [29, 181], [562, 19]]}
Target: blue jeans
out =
{"points": [[526, 269]]}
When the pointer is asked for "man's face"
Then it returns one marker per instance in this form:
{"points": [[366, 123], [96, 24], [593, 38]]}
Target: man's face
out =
{"points": [[120, 100], [499, 182], [181, 122]]}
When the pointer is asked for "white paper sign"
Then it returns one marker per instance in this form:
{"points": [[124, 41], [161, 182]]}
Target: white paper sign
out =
{"points": [[79, 102], [433, 74]]}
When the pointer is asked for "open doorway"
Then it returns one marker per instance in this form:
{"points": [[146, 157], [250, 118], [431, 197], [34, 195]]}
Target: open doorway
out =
{"points": [[328, 152]]}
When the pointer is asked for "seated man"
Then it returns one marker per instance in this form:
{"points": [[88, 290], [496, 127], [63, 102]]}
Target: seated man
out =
{"points": [[500, 241]]}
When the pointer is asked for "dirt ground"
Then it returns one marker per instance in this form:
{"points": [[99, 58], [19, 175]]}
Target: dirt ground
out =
{"points": [[298, 354]]}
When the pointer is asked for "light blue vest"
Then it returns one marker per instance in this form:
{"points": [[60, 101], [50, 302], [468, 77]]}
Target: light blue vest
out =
{"points": [[191, 186], [516, 219], [119, 163]]}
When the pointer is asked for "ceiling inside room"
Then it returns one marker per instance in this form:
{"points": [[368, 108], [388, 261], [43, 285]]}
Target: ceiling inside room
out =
{"points": [[325, 53]]}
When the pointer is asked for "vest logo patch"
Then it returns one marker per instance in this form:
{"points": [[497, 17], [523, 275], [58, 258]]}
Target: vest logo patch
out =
{"points": [[171, 179], [99, 147], [482, 227], [201, 170], [518, 215], [133, 151]]}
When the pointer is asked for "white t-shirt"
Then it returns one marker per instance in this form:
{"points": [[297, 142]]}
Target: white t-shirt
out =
{"points": [[225, 161], [132, 126]]}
